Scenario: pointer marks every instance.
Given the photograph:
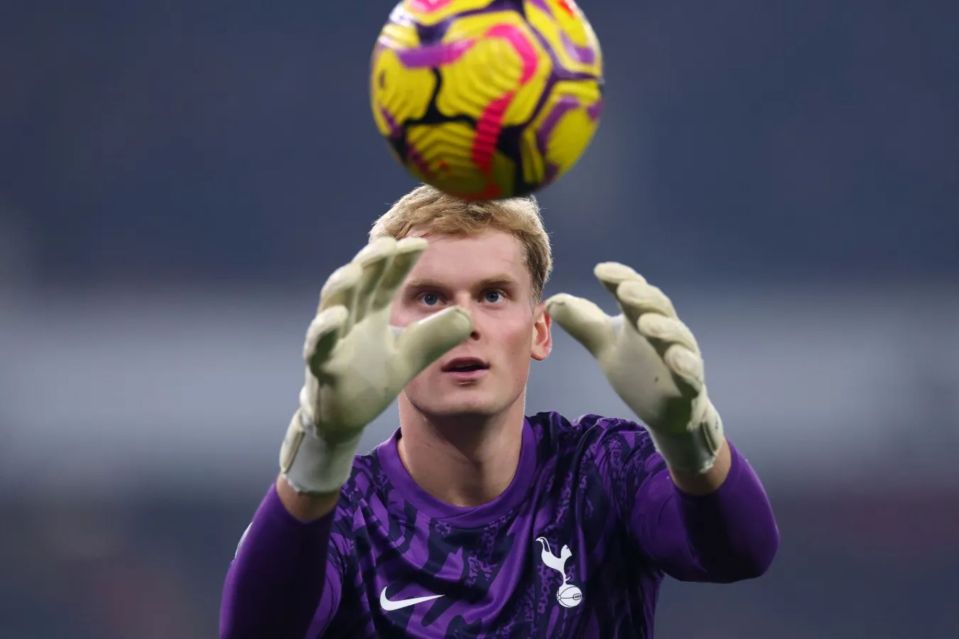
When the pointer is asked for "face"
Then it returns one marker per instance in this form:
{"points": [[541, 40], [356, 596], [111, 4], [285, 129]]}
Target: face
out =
{"points": [[485, 274]]}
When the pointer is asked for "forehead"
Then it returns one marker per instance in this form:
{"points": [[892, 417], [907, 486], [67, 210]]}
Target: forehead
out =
{"points": [[453, 258]]}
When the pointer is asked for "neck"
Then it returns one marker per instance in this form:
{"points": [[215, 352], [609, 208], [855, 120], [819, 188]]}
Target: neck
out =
{"points": [[466, 460]]}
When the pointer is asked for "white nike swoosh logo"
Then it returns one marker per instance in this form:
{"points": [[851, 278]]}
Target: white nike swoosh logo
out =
{"points": [[388, 605]]}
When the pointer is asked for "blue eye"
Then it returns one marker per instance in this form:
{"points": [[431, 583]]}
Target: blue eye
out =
{"points": [[430, 299], [493, 296]]}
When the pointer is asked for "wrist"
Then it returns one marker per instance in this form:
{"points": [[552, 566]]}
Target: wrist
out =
{"points": [[312, 464], [305, 507], [699, 484], [693, 451]]}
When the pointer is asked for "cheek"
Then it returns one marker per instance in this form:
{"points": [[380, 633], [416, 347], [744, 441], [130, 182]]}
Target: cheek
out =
{"points": [[518, 345], [517, 336]]}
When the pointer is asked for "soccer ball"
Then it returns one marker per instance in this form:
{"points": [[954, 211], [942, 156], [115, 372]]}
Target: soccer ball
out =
{"points": [[569, 596], [486, 99]]}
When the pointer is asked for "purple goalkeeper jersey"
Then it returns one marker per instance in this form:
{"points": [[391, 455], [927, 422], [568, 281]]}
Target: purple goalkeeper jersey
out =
{"points": [[576, 546]]}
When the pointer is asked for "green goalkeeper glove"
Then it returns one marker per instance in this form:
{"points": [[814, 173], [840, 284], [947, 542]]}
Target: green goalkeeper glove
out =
{"points": [[356, 363], [652, 361]]}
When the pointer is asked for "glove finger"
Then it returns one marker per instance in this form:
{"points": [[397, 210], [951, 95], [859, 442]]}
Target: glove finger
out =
{"points": [[582, 319], [612, 274], [373, 259], [407, 252], [687, 369], [321, 337], [637, 298], [664, 331], [422, 342], [340, 290]]}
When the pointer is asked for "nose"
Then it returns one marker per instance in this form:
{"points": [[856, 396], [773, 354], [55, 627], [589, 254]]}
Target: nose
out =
{"points": [[465, 300]]}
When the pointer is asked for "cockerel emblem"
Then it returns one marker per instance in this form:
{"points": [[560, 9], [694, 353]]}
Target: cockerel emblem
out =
{"points": [[568, 595]]}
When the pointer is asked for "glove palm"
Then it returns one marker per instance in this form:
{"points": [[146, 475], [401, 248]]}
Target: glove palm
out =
{"points": [[356, 363], [651, 360]]}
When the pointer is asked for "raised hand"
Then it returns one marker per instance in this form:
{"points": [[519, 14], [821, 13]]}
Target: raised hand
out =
{"points": [[356, 363], [652, 361]]}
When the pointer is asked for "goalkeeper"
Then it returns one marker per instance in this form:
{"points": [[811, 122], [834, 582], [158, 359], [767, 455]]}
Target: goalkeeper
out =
{"points": [[474, 520]]}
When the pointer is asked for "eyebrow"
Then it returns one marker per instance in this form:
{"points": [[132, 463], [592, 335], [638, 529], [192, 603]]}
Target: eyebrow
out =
{"points": [[495, 280]]}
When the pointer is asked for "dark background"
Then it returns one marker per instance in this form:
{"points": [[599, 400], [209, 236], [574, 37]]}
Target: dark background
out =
{"points": [[177, 179]]}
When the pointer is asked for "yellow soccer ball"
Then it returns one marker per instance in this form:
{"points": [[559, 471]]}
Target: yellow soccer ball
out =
{"points": [[486, 99]]}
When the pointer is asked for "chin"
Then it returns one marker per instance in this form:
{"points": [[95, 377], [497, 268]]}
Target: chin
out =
{"points": [[461, 410], [459, 407]]}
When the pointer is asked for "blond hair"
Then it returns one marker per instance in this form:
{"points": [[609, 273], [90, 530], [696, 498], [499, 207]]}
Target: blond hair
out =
{"points": [[430, 208]]}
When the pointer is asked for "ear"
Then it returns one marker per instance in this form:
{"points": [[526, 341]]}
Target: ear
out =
{"points": [[542, 336]]}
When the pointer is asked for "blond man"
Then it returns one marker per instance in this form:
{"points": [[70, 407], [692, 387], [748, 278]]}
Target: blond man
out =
{"points": [[473, 519]]}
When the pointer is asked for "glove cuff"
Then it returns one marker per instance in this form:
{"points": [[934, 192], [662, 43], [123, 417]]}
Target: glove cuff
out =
{"points": [[311, 464], [694, 451]]}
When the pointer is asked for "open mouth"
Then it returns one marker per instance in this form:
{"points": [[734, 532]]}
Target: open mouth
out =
{"points": [[465, 365]]}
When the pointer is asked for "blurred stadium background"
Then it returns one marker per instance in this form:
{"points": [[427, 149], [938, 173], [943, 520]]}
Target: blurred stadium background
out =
{"points": [[177, 179]]}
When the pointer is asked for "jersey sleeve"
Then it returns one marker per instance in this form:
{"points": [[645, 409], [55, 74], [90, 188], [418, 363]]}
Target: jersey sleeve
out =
{"points": [[285, 579], [724, 536]]}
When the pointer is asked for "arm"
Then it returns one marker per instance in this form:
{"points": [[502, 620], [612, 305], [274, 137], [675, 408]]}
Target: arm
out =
{"points": [[356, 365], [275, 584], [723, 535], [706, 492]]}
